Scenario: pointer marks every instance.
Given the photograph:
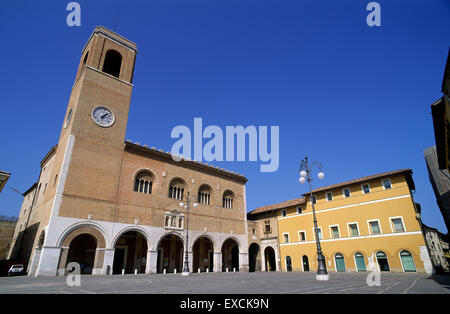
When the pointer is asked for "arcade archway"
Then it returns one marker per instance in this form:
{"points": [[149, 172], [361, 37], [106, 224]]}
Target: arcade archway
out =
{"points": [[230, 255], [203, 255], [130, 253], [170, 254]]}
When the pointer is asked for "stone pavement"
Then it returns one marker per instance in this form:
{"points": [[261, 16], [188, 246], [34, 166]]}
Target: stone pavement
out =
{"points": [[231, 283]]}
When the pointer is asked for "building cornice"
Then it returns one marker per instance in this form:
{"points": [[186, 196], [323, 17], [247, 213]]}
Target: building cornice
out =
{"points": [[194, 165]]}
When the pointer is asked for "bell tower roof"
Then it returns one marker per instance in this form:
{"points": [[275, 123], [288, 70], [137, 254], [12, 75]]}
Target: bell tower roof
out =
{"points": [[103, 31]]}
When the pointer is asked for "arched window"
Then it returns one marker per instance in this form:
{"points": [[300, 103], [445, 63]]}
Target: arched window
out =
{"points": [[204, 195], [176, 189], [113, 62], [143, 182], [407, 261], [227, 199]]}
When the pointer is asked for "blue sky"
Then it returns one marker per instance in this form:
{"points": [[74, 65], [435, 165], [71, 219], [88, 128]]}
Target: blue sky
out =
{"points": [[353, 97]]}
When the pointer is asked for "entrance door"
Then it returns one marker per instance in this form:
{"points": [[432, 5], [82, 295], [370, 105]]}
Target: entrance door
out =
{"points": [[305, 263], [288, 263], [383, 261], [119, 257], [211, 260]]}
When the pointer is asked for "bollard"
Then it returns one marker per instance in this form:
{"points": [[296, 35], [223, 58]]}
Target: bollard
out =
{"points": [[207, 270], [234, 270], [199, 270], [135, 271], [175, 271], [123, 272], [227, 269], [164, 271]]}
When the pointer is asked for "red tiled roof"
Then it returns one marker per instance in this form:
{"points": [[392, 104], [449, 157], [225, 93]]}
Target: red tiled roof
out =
{"points": [[285, 204], [367, 178]]}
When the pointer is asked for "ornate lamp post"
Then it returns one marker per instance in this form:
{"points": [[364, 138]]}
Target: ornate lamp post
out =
{"points": [[306, 175], [186, 255]]}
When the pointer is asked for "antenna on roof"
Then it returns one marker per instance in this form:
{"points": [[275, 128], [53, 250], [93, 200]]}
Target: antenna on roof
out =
{"points": [[17, 191]]}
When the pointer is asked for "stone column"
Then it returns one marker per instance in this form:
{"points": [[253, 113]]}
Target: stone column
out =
{"points": [[108, 262], [217, 262], [150, 267], [34, 262], [243, 262], [263, 260], [277, 259], [48, 262], [98, 261]]}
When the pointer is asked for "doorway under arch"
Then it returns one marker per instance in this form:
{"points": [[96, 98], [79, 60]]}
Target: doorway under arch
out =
{"points": [[203, 255], [82, 250], [305, 262], [170, 254], [230, 255], [130, 253], [253, 258], [269, 256]]}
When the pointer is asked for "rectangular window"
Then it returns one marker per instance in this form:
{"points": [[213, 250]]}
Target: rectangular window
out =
{"points": [[335, 232], [286, 237], [283, 213], [375, 227], [302, 236], [366, 188], [346, 192], [387, 184], [299, 210], [267, 228], [398, 225], [319, 231], [353, 230], [329, 196]]}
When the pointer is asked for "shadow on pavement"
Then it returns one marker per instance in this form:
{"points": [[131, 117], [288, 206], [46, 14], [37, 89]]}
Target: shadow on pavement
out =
{"points": [[442, 279]]}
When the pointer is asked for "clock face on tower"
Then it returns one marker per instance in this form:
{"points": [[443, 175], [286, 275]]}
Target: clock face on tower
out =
{"points": [[103, 116]]}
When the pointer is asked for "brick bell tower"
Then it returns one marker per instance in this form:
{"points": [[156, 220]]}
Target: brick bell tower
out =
{"points": [[91, 145]]}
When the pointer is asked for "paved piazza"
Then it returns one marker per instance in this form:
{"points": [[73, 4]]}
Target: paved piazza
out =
{"points": [[231, 283]]}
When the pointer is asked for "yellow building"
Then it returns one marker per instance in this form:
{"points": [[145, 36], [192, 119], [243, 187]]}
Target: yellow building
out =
{"points": [[370, 219]]}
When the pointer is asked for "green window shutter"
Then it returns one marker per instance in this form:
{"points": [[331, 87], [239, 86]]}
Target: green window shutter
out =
{"points": [[340, 263], [407, 261], [360, 263]]}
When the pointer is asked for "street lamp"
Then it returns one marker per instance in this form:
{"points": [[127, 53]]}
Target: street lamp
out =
{"points": [[186, 255], [305, 175]]}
